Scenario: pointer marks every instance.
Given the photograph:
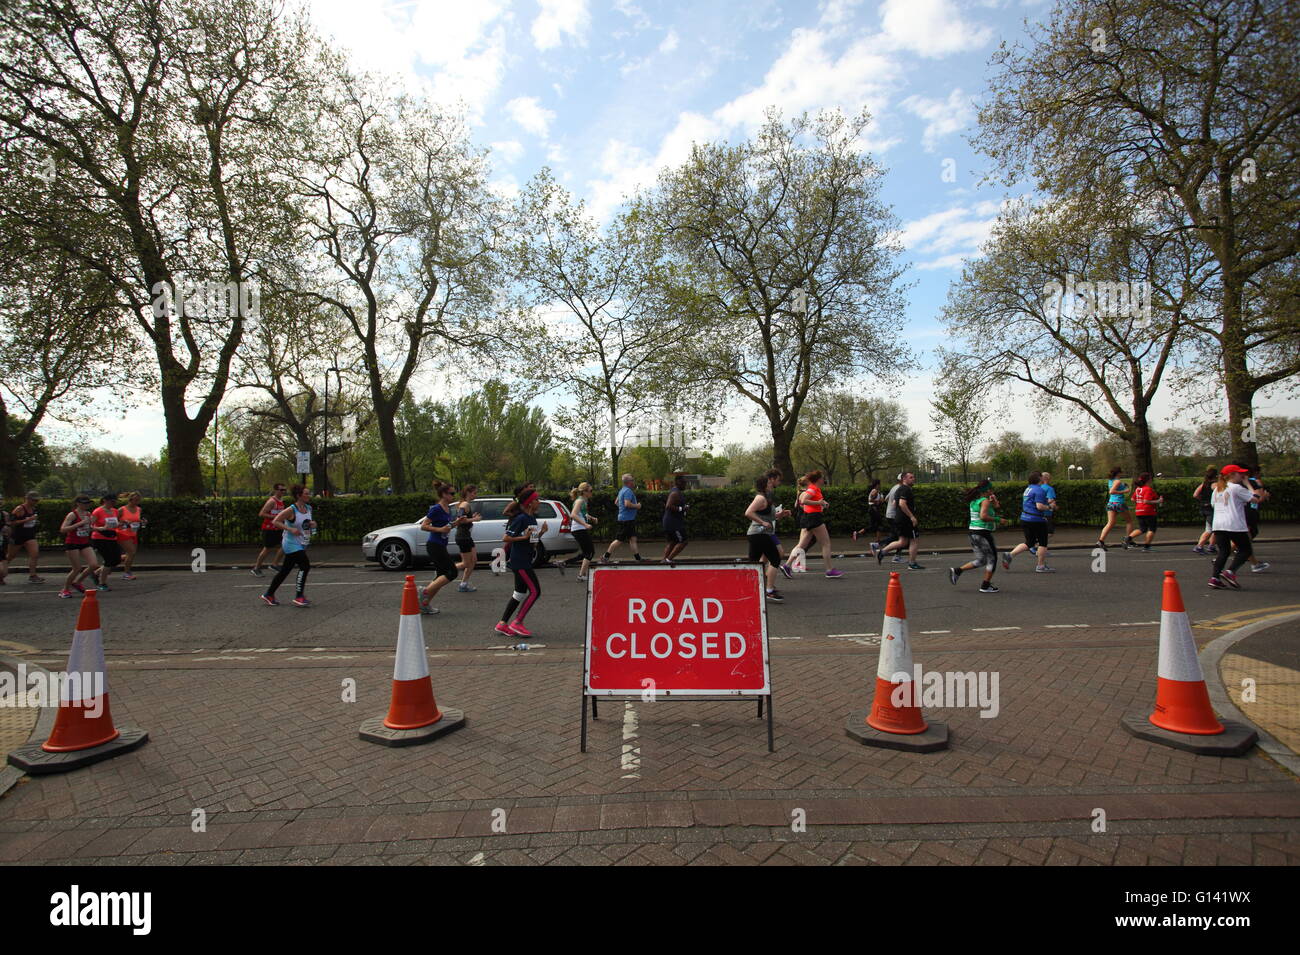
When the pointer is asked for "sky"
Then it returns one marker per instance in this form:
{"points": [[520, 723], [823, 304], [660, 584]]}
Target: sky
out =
{"points": [[608, 94]]}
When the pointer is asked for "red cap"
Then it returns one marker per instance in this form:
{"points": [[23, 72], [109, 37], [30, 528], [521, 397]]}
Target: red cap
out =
{"points": [[1232, 469]]}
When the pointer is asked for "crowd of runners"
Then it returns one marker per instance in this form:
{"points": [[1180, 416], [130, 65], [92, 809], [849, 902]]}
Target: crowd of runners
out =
{"points": [[100, 540]]}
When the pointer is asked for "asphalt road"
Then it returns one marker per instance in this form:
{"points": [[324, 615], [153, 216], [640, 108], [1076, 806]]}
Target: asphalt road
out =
{"points": [[358, 607]]}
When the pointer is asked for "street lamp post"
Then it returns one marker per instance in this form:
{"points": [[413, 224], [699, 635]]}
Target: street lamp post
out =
{"points": [[325, 450]]}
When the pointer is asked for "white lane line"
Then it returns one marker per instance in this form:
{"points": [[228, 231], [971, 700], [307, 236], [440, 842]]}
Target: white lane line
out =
{"points": [[328, 656], [934, 631], [1066, 626], [1144, 623], [630, 761], [219, 659], [849, 636], [991, 629], [331, 583], [785, 638]]}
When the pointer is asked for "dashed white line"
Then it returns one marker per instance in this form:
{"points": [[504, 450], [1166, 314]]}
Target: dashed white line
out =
{"points": [[1066, 626], [1143, 623], [991, 629], [934, 631]]}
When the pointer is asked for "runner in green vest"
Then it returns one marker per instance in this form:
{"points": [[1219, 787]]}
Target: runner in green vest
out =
{"points": [[983, 522]]}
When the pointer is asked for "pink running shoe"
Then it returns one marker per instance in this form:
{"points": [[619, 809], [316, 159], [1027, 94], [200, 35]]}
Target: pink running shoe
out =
{"points": [[519, 630], [269, 600], [301, 602], [65, 593], [503, 629], [834, 572]]}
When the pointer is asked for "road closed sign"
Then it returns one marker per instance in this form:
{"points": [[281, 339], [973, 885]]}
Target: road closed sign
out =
{"points": [[677, 631]]}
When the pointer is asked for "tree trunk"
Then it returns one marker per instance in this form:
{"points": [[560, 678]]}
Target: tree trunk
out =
{"points": [[385, 418], [184, 474], [1237, 381], [12, 473], [781, 460], [1142, 457]]}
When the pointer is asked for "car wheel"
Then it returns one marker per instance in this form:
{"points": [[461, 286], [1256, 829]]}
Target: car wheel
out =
{"points": [[393, 554]]}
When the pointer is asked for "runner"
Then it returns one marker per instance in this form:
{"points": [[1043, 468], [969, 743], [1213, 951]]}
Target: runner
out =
{"points": [[1115, 506], [1034, 509], [438, 523], [128, 532], [814, 521], [674, 520], [1051, 499], [774, 475], [582, 523], [1205, 544], [875, 517], [1146, 501], [902, 511], [22, 522], [76, 544], [1252, 521], [467, 515], [763, 515], [1230, 498], [271, 536], [893, 530], [104, 537], [983, 505], [518, 540], [628, 506], [295, 525]]}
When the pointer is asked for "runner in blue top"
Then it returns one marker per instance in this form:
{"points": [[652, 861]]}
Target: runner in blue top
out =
{"points": [[1034, 509], [518, 538], [1051, 499], [439, 523], [628, 506], [296, 525], [1116, 505]]}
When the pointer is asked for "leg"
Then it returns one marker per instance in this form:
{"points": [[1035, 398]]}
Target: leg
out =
{"points": [[74, 574], [824, 536], [1224, 542], [1245, 550], [520, 592], [534, 591], [261, 556], [286, 565], [1110, 522], [304, 568], [128, 553], [33, 558]]}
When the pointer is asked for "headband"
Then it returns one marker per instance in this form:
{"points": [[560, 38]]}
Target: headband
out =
{"points": [[528, 499]]}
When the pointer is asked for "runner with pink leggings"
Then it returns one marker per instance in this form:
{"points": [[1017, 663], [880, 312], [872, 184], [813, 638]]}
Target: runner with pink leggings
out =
{"points": [[518, 539]]}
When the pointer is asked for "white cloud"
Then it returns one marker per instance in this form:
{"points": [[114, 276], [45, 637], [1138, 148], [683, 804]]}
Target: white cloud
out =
{"points": [[942, 239], [529, 113], [942, 116], [669, 43], [932, 28], [557, 18], [510, 150]]}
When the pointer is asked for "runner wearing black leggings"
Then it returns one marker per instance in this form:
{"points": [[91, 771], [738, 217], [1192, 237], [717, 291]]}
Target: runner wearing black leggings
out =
{"points": [[1230, 499], [295, 525], [519, 541], [763, 515]]}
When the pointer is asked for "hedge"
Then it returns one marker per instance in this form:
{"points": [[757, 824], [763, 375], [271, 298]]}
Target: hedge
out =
{"points": [[714, 512]]}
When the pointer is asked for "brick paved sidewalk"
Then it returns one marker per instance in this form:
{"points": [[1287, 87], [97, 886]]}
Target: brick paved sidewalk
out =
{"points": [[269, 751]]}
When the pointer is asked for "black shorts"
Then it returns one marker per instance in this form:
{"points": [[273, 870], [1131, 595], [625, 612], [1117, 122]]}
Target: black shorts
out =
{"points": [[675, 533], [813, 520], [762, 545], [67, 546], [443, 565], [583, 537], [1035, 533], [271, 538], [464, 544], [626, 530], [110, 552], [904, 529], [1147, 522], [21, 535]]}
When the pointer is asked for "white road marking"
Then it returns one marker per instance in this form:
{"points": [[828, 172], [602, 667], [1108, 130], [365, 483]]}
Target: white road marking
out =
{"points": [[220, 659], [934, 631], [849, 636], [630, 760], [1144, 623], [1066, 626], [785, 638], [991, 629], [332, 656]]}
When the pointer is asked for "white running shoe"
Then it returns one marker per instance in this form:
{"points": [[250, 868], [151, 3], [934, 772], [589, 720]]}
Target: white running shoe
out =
{"points": [[1261, 566]]}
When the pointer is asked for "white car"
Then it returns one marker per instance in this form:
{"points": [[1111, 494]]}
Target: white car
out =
{"points": [[402, 546]]}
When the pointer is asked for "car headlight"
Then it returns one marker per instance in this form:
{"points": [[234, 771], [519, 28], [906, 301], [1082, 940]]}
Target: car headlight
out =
{"points": [[370, 538]]}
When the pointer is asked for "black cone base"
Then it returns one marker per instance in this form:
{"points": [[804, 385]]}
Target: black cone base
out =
{"points": [[374, 730], [1237, 739], [36, 761], [934, 738]]}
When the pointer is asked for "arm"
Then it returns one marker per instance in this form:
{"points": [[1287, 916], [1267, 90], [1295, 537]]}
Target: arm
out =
{"points": [[902, 506], [985, 507], [69, 522], [752, 511], [266, 510], [281, 525]]}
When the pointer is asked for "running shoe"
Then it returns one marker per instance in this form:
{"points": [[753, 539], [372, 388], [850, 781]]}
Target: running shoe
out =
{"points": [[953, 574], [270, 600], [301, 602], [875, 551], [65, 593], [785, 569], [988, 589], [258, 572], [639, 558], [1211, 549], [1198, 550], [1044, 569], [1229, 578], [834, 572], [898, 559], [427, 610], [79, 587], [775, 596], [465, 588], [604, 558], [1034, 550], [1261, 566], [128, 576], [1006, 560], [35, 579], [1217, 584], [274, 567], [1128, 543], [503, 628], [105, 587], [1146, 548], [915, 566], [582, 578], [1102, 545], [669, 563], [519, 630]]}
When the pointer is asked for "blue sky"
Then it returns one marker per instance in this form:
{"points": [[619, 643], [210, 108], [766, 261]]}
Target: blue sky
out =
{"points": [[607, 94]]}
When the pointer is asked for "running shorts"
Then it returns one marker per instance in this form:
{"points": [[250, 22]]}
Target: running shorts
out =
{"points": [[443, 565], [110, 552], [904, 529], [674, 532], [1119, 507], [762, 545], [1035, 533], [583, 538], [21, 535], [626, 530], [1147, 522], [813, 520], [271, 539], [464, 543]]}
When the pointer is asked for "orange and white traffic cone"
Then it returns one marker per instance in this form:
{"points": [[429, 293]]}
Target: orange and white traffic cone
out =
{"points": [[413, 714], [1183, 716], [895, 720], [83, 727]]}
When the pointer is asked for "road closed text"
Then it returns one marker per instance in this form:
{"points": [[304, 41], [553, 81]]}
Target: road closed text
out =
{"points": [[706, 644]]}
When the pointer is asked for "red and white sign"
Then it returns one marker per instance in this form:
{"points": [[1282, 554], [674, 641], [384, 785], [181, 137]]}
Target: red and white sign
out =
{"points": [[677, 631]]}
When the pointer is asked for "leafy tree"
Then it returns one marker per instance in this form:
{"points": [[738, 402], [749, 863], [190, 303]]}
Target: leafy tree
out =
{"points": [[783, 265], [959, 411]]}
